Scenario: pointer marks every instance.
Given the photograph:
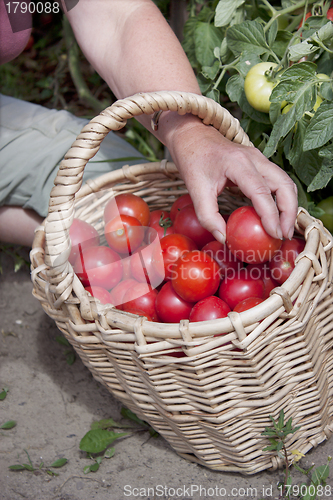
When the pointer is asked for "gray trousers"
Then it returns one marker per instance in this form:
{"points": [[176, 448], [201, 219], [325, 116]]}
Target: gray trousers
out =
{"points": [[33, 141]]}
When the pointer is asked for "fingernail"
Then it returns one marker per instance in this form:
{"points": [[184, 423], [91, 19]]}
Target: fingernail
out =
{"points": [[290, 233], [279, 233], [219, 236]]}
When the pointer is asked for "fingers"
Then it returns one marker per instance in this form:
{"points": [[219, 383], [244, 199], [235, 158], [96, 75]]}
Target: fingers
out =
{"points": [[271, 190], [207, 211]]}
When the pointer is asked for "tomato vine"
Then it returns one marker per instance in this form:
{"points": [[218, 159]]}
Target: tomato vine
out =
{"points": [[297, 38]]}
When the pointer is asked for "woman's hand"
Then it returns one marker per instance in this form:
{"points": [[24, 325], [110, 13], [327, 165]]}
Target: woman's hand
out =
{"points": [[208, 162]]}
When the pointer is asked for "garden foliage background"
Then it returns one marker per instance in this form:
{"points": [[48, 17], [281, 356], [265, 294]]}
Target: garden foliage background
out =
{"points": [[223, 40]]}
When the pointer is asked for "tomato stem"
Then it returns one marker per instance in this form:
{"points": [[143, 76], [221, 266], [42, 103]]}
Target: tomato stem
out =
{"points": [[287, 10]]}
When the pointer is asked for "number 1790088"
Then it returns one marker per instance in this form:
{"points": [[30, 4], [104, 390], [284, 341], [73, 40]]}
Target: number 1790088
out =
{"points": [[33, 7]]}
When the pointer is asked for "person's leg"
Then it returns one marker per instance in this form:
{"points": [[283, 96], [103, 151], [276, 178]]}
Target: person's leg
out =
{"points": [[17, 225], [33, 141]]}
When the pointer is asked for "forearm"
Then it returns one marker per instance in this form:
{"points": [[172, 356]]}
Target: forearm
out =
{"points": [[132, 47]]}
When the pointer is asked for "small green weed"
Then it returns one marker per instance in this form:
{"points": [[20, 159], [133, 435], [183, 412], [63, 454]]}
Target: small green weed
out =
{"points": [[315, 486], [41, 468], [96, 442]]}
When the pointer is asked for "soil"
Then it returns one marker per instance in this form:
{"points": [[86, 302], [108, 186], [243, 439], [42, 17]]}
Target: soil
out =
{"points": [[54, 404]]}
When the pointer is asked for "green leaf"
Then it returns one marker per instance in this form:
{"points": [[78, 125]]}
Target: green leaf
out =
{"points": [[213, 94], [248, 36], [91, 468], [225, 11], [210, 72], [315, 211], [280, 129], [97, 440], [206, 38], [327, 152], [301, 194], [323, 177], [28, 467], [62, 340], [304, 71], [106, 423], [17, 467], [59, 463], [109, 452], [246, 61], [125, 412], [320, 474], [272, 32], [320, 129], [281, 42], [8, 425], [326, 90], [281, 419], [3, 393], [70, 357]]}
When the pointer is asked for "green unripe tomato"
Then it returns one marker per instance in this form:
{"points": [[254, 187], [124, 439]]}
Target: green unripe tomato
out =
{"points": [[258, 88], [327, 217]]}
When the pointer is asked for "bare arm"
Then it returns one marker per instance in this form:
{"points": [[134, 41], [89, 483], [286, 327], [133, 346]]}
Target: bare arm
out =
{"points": [[132, 47]]}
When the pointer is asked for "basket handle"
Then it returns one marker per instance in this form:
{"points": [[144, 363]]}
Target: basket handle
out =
{"points": [[69, 177]]}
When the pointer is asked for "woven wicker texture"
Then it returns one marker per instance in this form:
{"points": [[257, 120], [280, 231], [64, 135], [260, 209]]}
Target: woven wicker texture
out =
{"points": [[213, 404]]}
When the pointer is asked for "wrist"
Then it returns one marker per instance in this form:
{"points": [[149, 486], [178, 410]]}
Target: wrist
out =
{"points": [[171, 125]]}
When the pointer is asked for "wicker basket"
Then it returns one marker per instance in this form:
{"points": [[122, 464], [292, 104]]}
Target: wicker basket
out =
{"points": [[213, 404]]}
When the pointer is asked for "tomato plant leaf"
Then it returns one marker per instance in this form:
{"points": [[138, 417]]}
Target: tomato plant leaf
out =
{"points": [[95, 441], [326, 90], [281, 42], [272, 32], [303, 71], [323, 177], [206, 38], [225, 11], [320, 129], [280, 129], [246, 61], [249, 36]]}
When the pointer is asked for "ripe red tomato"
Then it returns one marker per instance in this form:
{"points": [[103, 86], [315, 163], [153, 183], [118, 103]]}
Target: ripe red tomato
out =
{"points": [[143, 266], [247, 239], [187, 223], [283, 262], [263, 272], [160, 222], [248, 303], [117, 293], [172, 247], [81, 234], [181, 202], [239, 288], [229, 264], [170, 307], [195, 276], [209, 308], [99, 266], [127, 204], [124, 234], [100, 294], [141, 297]]}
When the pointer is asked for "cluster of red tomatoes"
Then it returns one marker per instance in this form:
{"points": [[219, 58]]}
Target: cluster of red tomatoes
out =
{"points": [[165, 266]]}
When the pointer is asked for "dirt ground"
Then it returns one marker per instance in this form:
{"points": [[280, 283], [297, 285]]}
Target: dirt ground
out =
{"points": [[54, 404]]}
